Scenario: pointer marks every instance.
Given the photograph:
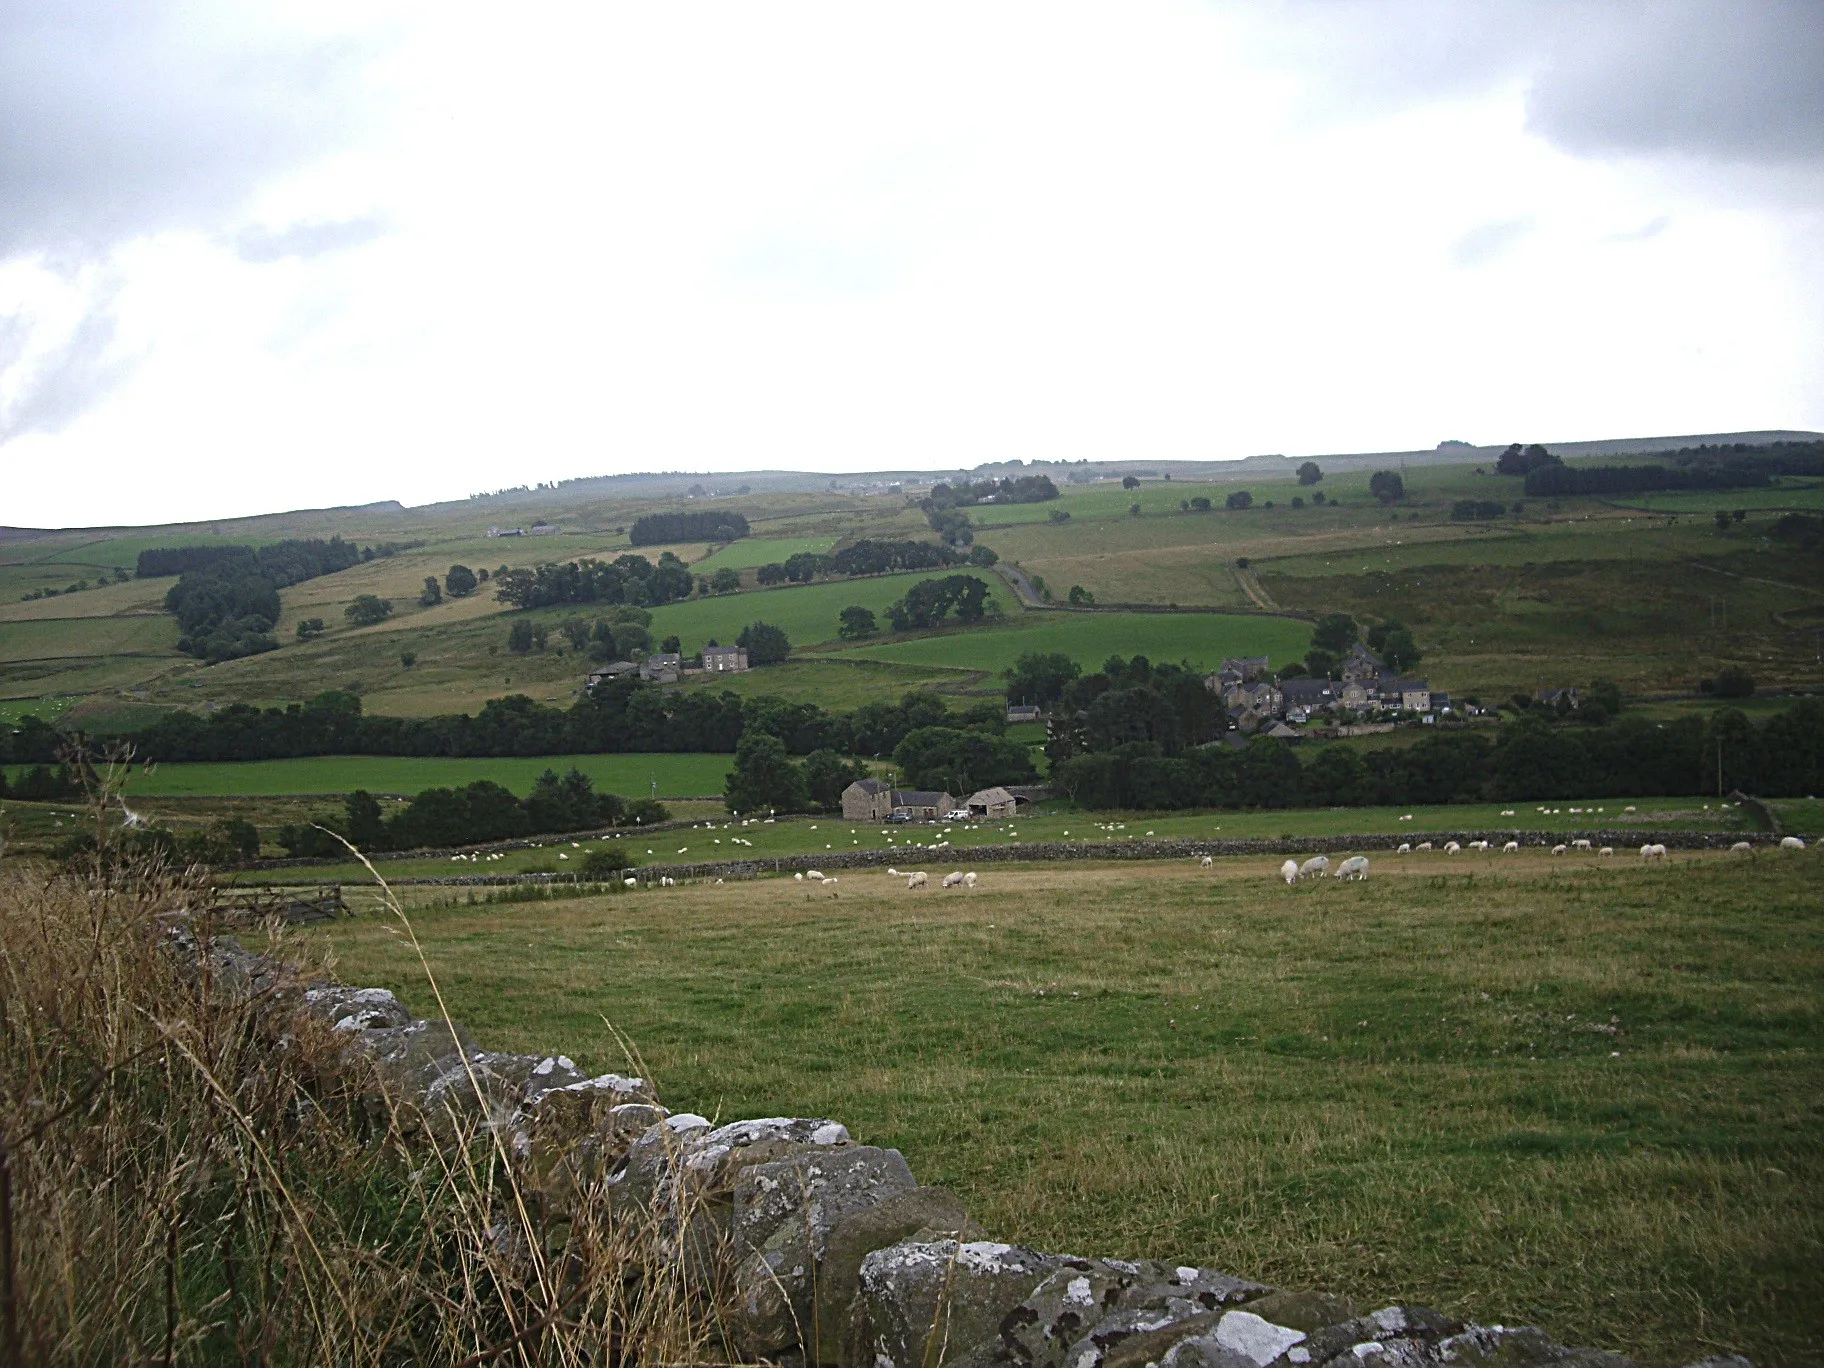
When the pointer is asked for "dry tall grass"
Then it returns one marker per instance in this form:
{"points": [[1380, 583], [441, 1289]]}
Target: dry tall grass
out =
{"points": [[192, 1173]]}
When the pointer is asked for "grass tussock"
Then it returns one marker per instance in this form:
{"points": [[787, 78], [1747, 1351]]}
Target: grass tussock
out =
{"points": [[192, 1173]]}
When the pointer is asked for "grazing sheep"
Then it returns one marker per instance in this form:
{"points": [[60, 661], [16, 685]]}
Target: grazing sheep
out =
{"points": [[1451, 847], [1423, 845], [892, 871], [917, 880], [1580, 844], [666, 881], [952, 879], [1315, 867], [1208, 862], [1478, 845], [797, 878], [1355, 867], [969, 879], [1606, 850], [1289, 871], [1405, 848], [1507, 812], [814, 875], [1791, 843], [1741, 848], [1560, 848], [1511, 848], [1652, 852], [631, 883]]}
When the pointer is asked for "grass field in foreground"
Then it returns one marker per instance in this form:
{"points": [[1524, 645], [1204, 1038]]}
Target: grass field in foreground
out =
{"points": [[631, 776], [947, 844], [1204, 639], [1587, 1097]]}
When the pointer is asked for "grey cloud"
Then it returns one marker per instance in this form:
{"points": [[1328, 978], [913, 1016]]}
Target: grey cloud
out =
{"points": [[127, 117], [1724, 80], [1489, 241], [56, 389], [1742, 81], [262, 245]]}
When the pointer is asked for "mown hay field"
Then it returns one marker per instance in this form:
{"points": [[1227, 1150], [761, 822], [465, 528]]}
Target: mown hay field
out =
{"points": [[1586, 1096]]}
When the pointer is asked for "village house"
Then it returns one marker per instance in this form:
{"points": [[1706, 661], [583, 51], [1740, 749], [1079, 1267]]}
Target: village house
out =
{"points": [[1414, 695], [1362, 666], [1024, 712], [1258, 696], [1303, 697], [665, 667], [724, 659], [922, 805]]}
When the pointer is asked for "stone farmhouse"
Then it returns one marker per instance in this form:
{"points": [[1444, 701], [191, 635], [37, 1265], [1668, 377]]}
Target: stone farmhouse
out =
{"points": [[663, 667], [724, 659], [875, 800]]}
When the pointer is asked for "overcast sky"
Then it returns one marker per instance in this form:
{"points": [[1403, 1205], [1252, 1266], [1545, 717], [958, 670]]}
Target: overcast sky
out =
{"points": [[256, 257]]}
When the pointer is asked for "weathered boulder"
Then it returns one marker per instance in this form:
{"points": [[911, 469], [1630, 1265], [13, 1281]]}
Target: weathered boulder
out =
{"points": [[1092, 1312], [785, 1212], [922, 1302], [686, 1161], [355, 1009]]}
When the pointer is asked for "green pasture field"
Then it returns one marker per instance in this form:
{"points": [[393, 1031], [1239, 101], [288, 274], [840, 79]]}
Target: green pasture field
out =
{"points": [[1806, 495], [1204, 639], [681, 775], [49, 709], [841, 684], [752, 551], [808, 613], [935, 844], [1585, 1096]]}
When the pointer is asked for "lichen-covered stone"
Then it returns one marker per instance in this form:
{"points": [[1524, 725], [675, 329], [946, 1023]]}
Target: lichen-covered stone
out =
{"points": [[927, 1303], [1087, 1307], [1305, 1311], [356, 1009], [1401, 1331], [784, 1214], [1497, 1346]]}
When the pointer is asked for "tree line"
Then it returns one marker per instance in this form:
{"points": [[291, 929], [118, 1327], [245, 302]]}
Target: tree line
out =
{"points": [[866, 557], [226, 598], [467, 815], [626, 579], [715, 525], [1557, 481], [1527, 759], [617, 716]]}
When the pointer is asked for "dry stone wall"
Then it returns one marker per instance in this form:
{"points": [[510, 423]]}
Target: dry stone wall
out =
{"points": [[839, 1256]]}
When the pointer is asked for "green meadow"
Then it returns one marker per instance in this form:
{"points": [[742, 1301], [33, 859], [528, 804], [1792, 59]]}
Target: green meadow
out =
{"points": [[1582, 1095], [632, 776]]}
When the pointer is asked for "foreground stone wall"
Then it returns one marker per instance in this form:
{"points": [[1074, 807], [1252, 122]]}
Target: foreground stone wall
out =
{"points": [[839, 1257]]}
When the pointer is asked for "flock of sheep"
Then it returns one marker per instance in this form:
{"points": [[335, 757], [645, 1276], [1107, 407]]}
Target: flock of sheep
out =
{"points": [[917, 878], [1356, 866]]}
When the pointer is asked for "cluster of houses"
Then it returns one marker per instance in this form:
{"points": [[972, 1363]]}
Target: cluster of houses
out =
{"points": [[875, 800], [539, 529], [668, 667], [1258, 703]]}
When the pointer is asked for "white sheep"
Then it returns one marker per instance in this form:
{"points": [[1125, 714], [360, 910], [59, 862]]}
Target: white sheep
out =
{"points": [[1791, 843], [1315, 867], [1405, 848], [1478, 845], [969, 879], [814, 875], [1208, 862], [1355, 867], [1606, 850], [1511, 848], [892, 871], [952, 879], [1560, 848], [631, 883], [1580, 844], [1652, 852], [1289, 871], [1423, 845], [1741, 848], [1451, 847], [917, 880], [797, 878], [666, 881]]}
